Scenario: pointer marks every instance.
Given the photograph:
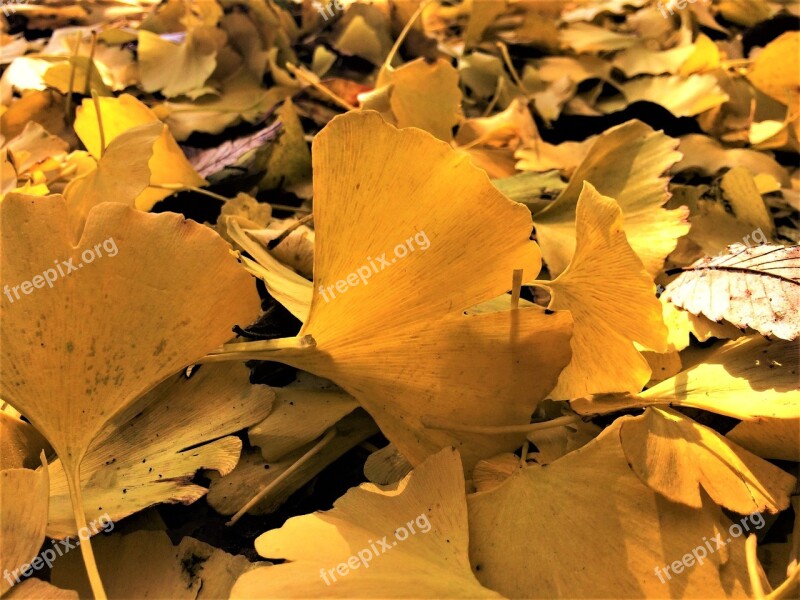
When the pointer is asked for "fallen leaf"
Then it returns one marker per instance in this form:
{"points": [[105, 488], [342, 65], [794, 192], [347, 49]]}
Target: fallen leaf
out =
{"points": [[433, 356], [625, 163], [142, 460], [603, 268], [577, 522], [431, 560], [678, 458], [747, 379], [756, 287], [168, 164], [774, 69], [23, 523]]}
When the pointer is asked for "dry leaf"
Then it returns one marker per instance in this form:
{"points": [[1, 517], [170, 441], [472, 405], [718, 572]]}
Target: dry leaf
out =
{"points": [[603, 269], [756, 287], [429, 562], [677, 457]]}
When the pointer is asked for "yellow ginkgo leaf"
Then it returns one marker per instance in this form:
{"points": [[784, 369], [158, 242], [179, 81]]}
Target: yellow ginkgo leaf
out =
{"points": [[227, 495], [678, 458], [20, 443], [23, 507], [749, 378], [141, 461], [612, 301], [625, 163], [682, 96], [168, 165], [589, 514], [128, 153], [774, 70], [289, 162], [119, 261], [436, 363], [409, 540], [149, 316], [769, 438], [303, 411], [178, 68], [241, 97], [420, 94]]}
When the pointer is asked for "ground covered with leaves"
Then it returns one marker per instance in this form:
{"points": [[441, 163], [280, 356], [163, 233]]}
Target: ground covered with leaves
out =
{"points": [[399, 298]]}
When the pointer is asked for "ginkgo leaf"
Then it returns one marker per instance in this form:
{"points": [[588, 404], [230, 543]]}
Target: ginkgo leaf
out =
{"points": [[584, 37], [386, 466], [678, 458], [240, 97], [742, 196], [709, 157], [293, 291], [588, 510], [748, 378], [603, 270], [20, 443], [289, 162], [34, 145], [682, 96], [168, 164], [769, 438], [625, 163], [23, 523], [774, 69], [409, 540], [178, 68], [757, 287], [128, 153], [230, 493], [69, 380], [179, 333], [637, 60], [302, 412], [422, 95], [433, 357], [145, 564], [364, 35], [142, 461], [295, 250]]}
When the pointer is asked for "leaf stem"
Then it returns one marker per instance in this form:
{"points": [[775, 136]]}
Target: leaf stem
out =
{"points": [[72, 63], [331, 433], [258, 350], [288, 231], [499, 429], [73, 476], [96, 100]]}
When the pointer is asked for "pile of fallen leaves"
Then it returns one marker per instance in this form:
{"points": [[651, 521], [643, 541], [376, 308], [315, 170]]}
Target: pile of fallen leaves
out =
{"points": [[400, 298]]}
